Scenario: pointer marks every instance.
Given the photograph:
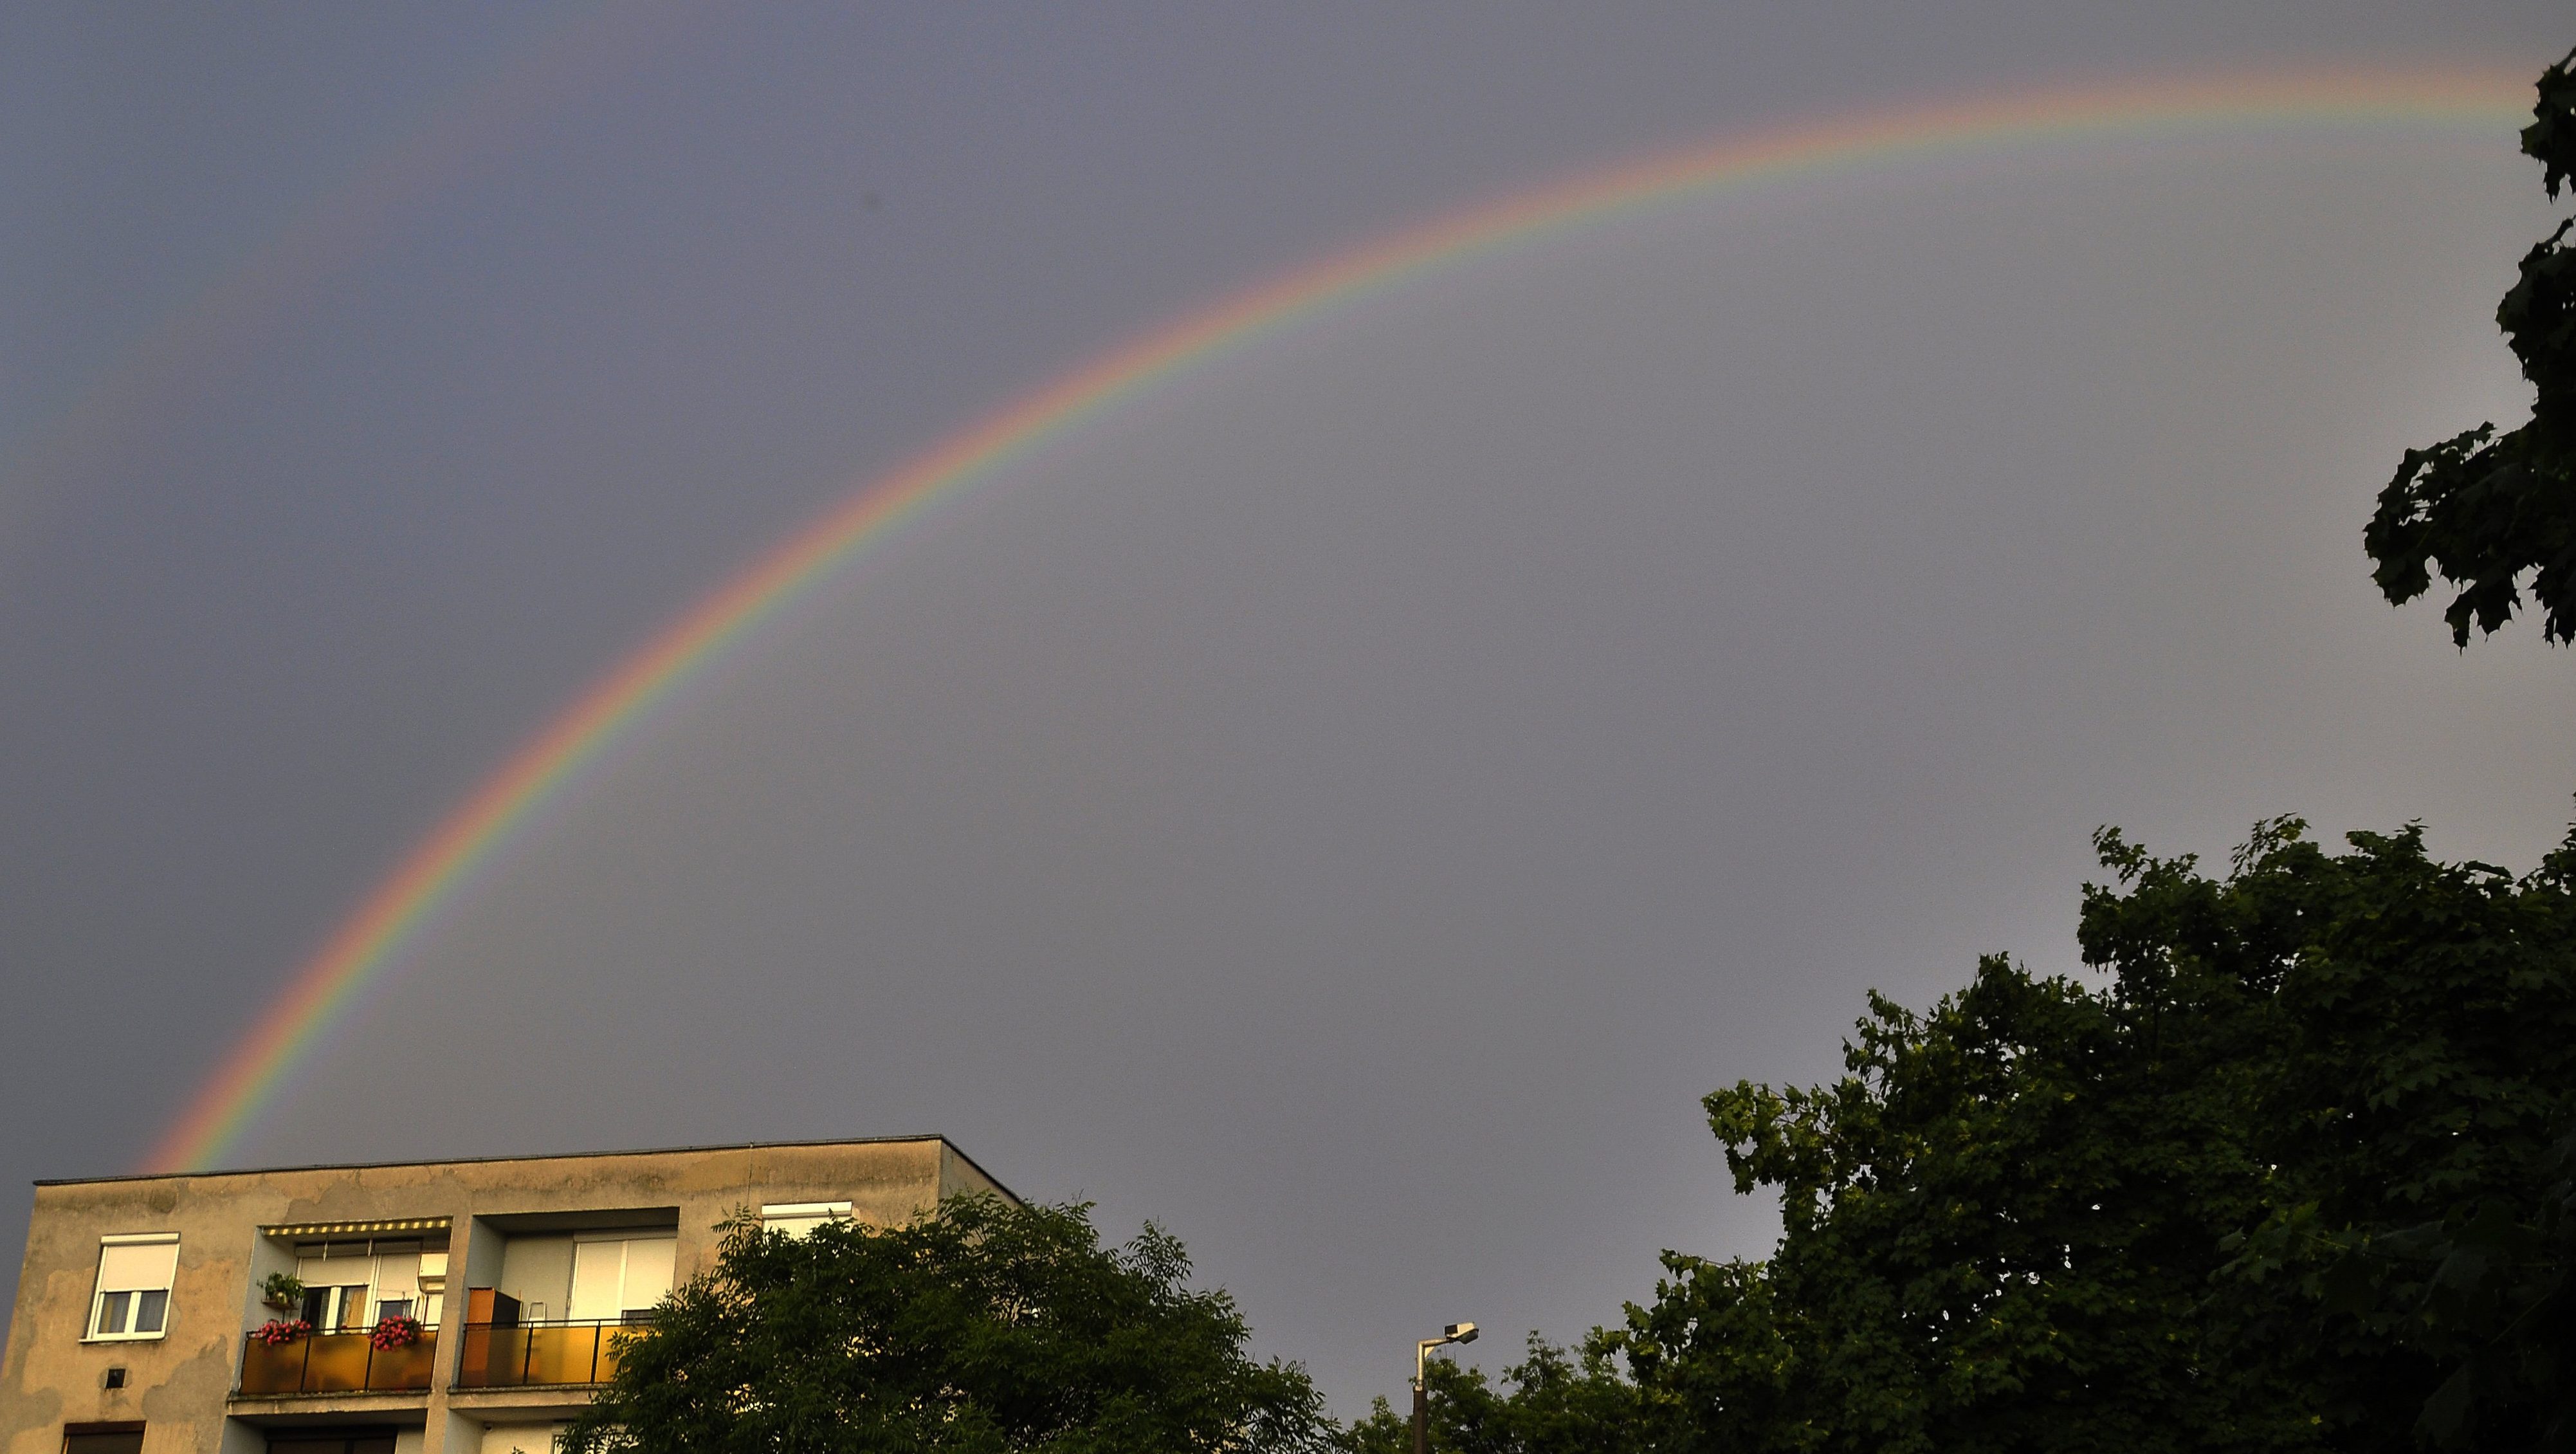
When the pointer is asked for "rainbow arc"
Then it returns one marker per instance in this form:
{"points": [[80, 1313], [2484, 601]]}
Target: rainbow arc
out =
{"points": [[326, 988]]}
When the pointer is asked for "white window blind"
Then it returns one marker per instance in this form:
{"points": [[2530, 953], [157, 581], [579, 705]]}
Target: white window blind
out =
{"points": [[796, 1219], [615, 1277], [134, 1277], [397, 1284], [648, 1272], [598, 1277]]}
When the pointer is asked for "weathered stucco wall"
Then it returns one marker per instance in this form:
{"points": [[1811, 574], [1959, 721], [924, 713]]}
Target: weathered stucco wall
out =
{"points": [[180, 1384]]}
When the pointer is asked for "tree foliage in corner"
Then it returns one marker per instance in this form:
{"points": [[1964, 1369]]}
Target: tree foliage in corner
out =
{"points": [[2491, 509], [984, 1327], [2298, 1177]]}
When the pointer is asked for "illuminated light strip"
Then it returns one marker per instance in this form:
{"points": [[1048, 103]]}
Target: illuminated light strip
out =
{"points": [[358, 1229]]}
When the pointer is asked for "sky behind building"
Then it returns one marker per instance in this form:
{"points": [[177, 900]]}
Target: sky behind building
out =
{"points": [[1346, 806]]}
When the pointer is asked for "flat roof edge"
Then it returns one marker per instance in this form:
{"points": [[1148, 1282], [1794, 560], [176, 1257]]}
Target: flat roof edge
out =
{"points": [[546, 1156]]}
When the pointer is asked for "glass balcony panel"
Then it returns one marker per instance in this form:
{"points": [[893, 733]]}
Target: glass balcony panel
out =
{"points": [[563, 1354], [273, 1370], [337, 1363], [612, 1343], [406, 1369], [503, 1355], [492, 1356]]}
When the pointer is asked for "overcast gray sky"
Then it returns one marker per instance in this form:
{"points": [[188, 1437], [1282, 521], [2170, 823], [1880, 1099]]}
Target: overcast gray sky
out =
{"points": [[1347, 808]]}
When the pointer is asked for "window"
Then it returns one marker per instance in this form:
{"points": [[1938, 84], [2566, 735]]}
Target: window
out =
{"points": [[798, 1218], [134, 1275], [117, 1438], [351, 1285], [433, 1286], [617, 1278]]}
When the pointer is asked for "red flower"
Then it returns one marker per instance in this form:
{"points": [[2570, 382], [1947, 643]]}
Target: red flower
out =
{"points": [[395, 1332], [279, 1331]]}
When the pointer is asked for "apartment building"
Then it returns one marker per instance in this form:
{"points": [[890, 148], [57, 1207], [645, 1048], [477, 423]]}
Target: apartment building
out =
{"points": [[448, 1307]]}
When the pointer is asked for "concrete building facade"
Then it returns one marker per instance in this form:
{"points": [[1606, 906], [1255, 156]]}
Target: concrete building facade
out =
{"points": [[452, 1307]]}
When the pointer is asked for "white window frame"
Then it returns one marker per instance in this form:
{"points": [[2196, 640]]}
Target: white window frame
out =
{"points": [[98, 1294]]}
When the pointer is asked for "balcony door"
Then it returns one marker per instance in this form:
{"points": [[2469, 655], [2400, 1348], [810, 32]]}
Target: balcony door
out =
{"points": [[338, 1284], [349, 1285], [620, 1278]]}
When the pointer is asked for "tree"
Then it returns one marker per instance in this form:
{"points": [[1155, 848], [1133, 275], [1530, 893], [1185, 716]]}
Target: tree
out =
{"points": [[2492, 509], [1555, 1401], [2297, 1177], [2301, 1175], [980, 1328]]}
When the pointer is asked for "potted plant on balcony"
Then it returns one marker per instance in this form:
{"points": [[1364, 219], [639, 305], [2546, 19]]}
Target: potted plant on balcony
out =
{"points": [[396, 1331], [282, 1290], [278, 1332]]}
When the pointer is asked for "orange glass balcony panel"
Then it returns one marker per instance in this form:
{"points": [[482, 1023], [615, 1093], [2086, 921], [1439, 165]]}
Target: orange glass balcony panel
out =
{"points": [[405, 1369], [563, 1354], [504, 1355], [335, 1362], [491, 1357], [338, 1363], [612, 1344], [278, 1369]]}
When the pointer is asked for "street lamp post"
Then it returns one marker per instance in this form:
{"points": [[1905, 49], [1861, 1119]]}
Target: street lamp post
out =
{"points": [[1454, 1333]]}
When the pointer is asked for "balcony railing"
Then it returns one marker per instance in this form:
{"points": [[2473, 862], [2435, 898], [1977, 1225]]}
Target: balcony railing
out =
{"points": [[515, 1355], [338, 1363]]}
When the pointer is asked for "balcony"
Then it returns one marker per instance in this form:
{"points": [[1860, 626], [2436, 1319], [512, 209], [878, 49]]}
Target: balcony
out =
{"points": [[338, 1363], [525, 1355]]}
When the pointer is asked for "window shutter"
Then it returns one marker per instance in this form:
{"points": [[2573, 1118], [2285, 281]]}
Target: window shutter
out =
{"points": [[648, 1272], [797, 1219], [137, 1266]]}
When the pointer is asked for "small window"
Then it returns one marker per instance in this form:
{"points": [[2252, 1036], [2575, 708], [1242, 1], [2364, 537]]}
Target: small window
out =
{"points": [[134, 1276], [121, 1438], [796, 1219]]}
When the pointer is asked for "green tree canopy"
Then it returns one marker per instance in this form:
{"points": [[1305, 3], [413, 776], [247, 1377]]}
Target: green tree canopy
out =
{"points": [[1551, 1402], [2301, 1175], [2297, 1177], [2485, 510], [981, 1328]]}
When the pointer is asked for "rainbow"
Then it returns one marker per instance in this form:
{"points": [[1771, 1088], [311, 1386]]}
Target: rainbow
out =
{"points": [[324, 989]]}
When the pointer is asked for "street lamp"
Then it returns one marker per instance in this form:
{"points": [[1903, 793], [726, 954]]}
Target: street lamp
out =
{"points": [[1454, 1333]]}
